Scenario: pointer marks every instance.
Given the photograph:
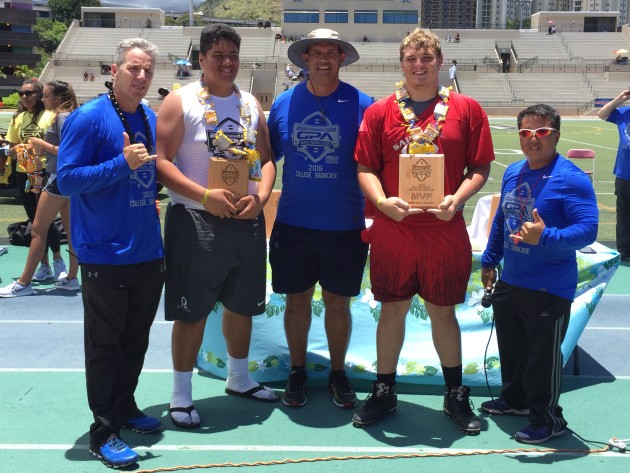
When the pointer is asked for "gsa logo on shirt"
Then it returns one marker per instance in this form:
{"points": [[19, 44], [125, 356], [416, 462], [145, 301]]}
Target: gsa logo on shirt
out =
{"points": [[316, 137]]}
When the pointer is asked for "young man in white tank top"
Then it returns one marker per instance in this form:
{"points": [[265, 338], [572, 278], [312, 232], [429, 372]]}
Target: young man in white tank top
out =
{"points": [[214, 251]]}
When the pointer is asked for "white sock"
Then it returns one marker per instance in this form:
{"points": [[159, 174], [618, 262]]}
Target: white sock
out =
{"points": [[182, 397], [238, 379]]}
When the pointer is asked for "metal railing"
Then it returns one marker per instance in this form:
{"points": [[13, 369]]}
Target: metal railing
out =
{"points": [[493, 63]]}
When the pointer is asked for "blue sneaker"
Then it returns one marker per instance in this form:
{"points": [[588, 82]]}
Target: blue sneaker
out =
{"points": [[499, 407], [537, 435], [143, 424], [115, 453]]}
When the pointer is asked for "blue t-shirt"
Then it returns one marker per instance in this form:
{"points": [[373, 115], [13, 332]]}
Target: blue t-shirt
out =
{"points": [[621, 118], [564, 197], [316, 137], [114, 219]]}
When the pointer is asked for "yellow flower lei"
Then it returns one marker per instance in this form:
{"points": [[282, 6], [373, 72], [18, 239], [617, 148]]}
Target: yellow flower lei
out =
{"points": [[422, 140], [222, 141]]}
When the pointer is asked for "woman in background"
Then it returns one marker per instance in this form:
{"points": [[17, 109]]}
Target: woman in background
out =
{"points": [[30, 120], [59, 97]]}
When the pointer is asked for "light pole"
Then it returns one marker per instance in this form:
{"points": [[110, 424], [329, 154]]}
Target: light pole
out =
{"points": [[524, 5]]}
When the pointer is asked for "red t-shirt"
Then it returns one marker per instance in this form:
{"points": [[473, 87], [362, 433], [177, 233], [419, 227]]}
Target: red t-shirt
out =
{"points": [[465, 141]]}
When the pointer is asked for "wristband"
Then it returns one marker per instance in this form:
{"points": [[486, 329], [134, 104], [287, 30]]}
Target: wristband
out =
{"points": [[380, 201], [205, 197]]}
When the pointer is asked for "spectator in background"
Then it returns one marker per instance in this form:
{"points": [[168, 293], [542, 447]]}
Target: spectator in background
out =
{"points": [[31, 120], [59, 98], [86, 76], [92, 77], [614, 112], [457, 37], [452, 71]]}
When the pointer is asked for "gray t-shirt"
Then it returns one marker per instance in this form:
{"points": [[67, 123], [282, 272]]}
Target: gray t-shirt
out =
{"points": [[53, 136]]}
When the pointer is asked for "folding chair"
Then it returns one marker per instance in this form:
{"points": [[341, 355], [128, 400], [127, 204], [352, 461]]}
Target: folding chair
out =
{"points": [[584, 154]]}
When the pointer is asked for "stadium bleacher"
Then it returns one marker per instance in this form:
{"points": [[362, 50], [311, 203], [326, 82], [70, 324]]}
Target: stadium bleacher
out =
{"points": [[570, 68]]}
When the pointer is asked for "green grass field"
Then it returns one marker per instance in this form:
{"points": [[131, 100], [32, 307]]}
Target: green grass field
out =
{"points": [[575, 133]]}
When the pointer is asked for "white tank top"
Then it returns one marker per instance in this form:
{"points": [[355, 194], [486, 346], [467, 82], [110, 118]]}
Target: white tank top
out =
{"points": [[194, 153]]}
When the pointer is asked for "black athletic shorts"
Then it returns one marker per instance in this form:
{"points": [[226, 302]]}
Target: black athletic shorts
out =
{"points": [[300, 257], [211, 259], [51, 186]]}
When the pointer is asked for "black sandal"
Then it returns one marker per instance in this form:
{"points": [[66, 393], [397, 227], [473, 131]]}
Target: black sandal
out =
{"points": [[183, 425]]}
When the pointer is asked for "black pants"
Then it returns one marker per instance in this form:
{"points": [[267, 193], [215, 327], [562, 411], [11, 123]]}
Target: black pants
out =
{"points": [[29, 201], [622, 191], [119, 304], [530, 328]]}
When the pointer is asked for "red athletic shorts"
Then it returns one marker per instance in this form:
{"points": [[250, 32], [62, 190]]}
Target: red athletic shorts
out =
{"points": [[433, 261]]}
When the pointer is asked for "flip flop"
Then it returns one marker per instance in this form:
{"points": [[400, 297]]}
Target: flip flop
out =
{"points": [[250, 394], [187, 410]]}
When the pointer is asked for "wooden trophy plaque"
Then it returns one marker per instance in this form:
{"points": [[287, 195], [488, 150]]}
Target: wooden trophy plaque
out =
{"points": [[229, 174], [421, 180]]}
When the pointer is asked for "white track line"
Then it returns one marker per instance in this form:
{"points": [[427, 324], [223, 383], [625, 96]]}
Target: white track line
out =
{"points": [[303, 449], [170, 371]]}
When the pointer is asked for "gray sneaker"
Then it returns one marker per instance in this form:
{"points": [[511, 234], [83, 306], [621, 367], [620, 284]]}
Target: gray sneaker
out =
{"points": [[43, 273], [59, 267], [15, 289], [68, 284]]}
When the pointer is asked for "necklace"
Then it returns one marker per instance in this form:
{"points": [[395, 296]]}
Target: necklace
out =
{"points": [[422, 140], [523, 200], [210, 115], [125, 123], [223, 142], [322, 109]]}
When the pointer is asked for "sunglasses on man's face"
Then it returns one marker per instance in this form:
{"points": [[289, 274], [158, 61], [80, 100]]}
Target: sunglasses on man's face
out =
{"points": [[27, 93], [539, 132]]}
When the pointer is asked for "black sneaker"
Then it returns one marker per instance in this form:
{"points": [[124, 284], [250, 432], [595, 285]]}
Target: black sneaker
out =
{"points": [[295, 392], [342, 391], [500, 407], [383, 400], [458, 406]]}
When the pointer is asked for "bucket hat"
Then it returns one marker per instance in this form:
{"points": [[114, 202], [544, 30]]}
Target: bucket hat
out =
{"points": [[321, 35]]}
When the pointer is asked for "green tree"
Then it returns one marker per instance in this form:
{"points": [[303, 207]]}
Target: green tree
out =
{"points": [[511, 24], [24, 71], [68, 10], [51, 33]]}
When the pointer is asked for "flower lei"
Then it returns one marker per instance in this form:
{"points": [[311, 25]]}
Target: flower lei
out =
{"points": [[222, 141], [422, 140]]}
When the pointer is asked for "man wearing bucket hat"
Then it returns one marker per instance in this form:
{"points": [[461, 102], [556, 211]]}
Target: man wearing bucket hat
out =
{"points": [[317, 232], [415, 251]]}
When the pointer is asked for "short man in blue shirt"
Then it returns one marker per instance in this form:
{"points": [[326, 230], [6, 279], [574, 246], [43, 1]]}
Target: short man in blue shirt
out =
{"points": [[547, 211]]}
